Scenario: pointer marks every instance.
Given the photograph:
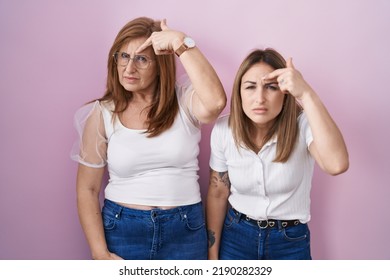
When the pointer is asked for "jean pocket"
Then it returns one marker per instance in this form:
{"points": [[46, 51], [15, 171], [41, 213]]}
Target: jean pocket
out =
{"points": [[194, 220], [296, 233], [229, 219], [109, 219]]}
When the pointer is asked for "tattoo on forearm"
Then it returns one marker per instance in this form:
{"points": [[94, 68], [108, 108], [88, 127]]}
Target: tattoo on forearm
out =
{"points": [[211, 237], [217, 178], [224, 177]]}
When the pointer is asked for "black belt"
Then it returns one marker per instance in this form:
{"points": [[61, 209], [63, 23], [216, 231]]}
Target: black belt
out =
{"points": [[268, 223]]}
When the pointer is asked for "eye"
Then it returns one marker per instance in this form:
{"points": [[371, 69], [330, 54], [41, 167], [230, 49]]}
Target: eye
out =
{"points": [[249, 85], [272, 87], [124, 55], [141, 59]]}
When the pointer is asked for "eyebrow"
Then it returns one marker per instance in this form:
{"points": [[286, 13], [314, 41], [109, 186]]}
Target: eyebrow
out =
{"points": [[271, 83], [250, 82], [137, 54]]}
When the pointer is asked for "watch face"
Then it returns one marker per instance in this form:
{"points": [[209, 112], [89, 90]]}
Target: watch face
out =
{"points": [[189, 42]]}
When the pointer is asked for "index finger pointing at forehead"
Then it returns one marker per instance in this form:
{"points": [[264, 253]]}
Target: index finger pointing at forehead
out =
{"points": [[273, 75], [146, 44]]}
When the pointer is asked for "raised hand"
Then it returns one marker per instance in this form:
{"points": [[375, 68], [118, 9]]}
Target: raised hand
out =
{"points": [[164, 41], [289, 79]]}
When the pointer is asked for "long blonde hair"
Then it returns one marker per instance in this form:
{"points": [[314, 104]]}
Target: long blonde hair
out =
{"points": [[164, 107], [285, 126]]}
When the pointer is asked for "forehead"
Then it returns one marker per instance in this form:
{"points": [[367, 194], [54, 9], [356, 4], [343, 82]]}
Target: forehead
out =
{"points": [[257, 71], [131, 46]]}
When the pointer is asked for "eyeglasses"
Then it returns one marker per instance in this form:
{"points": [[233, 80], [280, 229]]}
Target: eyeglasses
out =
{"points": [[140, 61]]}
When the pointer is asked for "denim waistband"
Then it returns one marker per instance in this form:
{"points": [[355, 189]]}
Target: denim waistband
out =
{"points": [[263, 224], [117, 208]]}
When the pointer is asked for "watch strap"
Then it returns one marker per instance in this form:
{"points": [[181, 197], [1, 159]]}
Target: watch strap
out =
{"points": [[183, 47], [188, 43]]}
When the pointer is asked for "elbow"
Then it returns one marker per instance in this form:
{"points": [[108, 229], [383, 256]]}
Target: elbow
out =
{"points": [[220, 99], [218, 105], [221, 104], [218, 193], [339, 168], [215, 111]]}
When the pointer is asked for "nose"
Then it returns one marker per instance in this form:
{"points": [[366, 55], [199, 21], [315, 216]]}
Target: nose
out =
{"points": [[130, 67], [260, 95]]}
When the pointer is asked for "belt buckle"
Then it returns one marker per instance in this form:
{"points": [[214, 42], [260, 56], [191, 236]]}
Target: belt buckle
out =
{"points": [[259, 223]]}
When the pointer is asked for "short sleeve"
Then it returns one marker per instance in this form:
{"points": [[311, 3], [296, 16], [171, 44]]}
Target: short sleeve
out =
{"points": [[185, 93], [217, 144], [304, 129], [90, 148]]}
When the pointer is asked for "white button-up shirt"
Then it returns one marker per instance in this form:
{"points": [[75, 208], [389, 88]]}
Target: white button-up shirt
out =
{"points": [[260, 188]]}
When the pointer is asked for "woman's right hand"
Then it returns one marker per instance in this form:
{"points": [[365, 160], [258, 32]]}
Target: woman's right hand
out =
{"points": [[107, 256], [163, 42]]}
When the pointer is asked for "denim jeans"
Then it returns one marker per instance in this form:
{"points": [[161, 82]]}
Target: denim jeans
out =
{"points": [[173, 234], [242, 240]]}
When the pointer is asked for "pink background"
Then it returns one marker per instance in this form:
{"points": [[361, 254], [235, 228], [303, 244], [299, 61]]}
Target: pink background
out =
{"points": [[53, 59]]}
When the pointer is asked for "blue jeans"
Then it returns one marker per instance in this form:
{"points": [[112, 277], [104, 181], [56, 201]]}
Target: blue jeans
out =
{"points": [[242, 240], [174, 234]]}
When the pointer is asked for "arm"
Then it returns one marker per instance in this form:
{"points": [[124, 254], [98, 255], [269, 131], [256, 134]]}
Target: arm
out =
{"points": [[209, 99], [88, 188], [92, 152], [216, 207], [328, 147]]}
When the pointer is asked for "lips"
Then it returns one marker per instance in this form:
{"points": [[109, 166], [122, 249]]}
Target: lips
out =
{"points": [[260, 110], [130, 79]]}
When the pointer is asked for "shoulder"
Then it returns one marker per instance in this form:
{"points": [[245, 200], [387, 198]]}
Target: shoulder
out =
{"points": [[94, 106], [302, 120], [222, 122], [221, 126], [86, 111], [304, 128], [94, 112], [106, 106]]}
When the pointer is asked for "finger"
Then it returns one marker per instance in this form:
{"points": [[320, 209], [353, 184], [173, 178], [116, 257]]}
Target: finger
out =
{"points": [[289, 63], [164, 25], [146, 44], [164, 52], [273, 75]]}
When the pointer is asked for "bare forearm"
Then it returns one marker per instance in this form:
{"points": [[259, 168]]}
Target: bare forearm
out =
{"points": [[88, 189], [91, 222], [215, 214], [217, 203]]}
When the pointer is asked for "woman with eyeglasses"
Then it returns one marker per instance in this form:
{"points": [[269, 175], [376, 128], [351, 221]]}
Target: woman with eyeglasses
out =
{"points": [[146, 131], [262, 160]]}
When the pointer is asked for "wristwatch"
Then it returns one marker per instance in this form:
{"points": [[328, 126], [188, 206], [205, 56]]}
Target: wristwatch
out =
{"points": [[188, 43]]}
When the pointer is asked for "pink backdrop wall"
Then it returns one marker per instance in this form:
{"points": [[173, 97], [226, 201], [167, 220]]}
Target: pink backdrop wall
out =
{"points": [[53, 59]]}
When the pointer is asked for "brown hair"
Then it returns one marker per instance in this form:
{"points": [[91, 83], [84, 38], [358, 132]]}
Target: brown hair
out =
{"points": [[285, 126], [164, 107]]}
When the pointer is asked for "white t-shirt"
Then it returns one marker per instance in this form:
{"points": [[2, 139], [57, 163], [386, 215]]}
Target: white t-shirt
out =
{"points": [[260, 188], [155, 171]]}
